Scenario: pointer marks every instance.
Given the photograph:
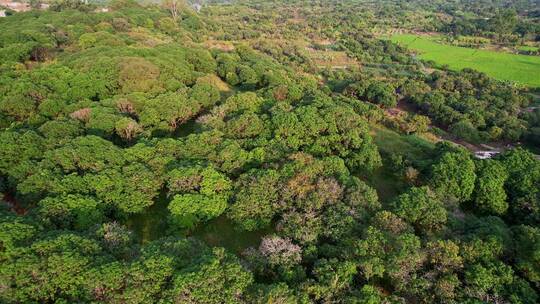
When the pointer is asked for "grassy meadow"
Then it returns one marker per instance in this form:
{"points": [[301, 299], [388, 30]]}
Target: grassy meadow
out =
{"points": [[522, 69]]}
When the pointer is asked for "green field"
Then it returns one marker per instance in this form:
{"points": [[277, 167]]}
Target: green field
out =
{"points": [[503, 66]]}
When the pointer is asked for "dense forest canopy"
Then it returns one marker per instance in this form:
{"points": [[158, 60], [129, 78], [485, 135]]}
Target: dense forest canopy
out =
{"points": [[264, 152]]}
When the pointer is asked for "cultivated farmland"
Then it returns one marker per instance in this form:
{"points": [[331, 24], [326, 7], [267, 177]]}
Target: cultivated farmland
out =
{"points": [[503, 66]]}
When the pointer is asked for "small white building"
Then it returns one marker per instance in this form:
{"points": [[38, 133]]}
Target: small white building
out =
{"points": [[485, 154]]}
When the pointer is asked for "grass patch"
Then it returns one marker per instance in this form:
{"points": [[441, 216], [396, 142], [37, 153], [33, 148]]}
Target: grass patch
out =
{"points": [[387, 184], [391, 142], [331, 59], [503, 66], [221, 232], [384, 179]]}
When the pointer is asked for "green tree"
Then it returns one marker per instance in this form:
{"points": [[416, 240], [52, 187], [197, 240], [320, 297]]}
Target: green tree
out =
{"points": [[453, 176], [70, 211], [256, 199], [382, 94], [522, 185], [504, 22], [333, 277], [466, 130], [57, 264], [203, 194], [368, 294], [420, 207], [527, 251], [138, 75], [489, 194], [218, 279]]}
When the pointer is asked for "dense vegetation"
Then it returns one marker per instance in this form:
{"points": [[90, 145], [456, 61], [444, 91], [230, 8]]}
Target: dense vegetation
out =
{"points": [[185, 119]]}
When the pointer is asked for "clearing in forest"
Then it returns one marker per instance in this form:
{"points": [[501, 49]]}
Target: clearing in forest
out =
{"points": [[331, 59], [522, 69]]}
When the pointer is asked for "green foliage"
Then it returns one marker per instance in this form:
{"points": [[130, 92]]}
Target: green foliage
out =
{"points": [[368, 295], [381, 94], [421, 208], [202, 194], [453, 176], [278, 293], [261, 127], [373, 91], [138, 75], [70, 212], [489, 194], [401, 258], [102, 38], [466, 130], [57, 263], [255, 202], [220, 279], [522, 183], [471, 105], [528, 252], [332, 277]]}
